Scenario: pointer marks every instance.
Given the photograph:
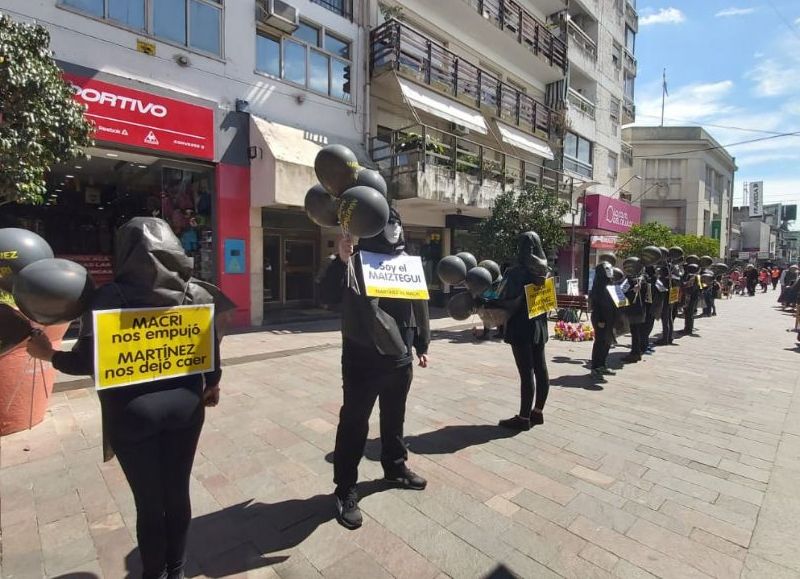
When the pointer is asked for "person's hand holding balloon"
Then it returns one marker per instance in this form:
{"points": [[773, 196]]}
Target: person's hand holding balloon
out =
{"points": [[39, 347]]}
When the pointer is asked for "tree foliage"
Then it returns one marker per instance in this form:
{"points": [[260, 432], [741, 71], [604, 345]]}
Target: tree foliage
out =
{"points": [[640, 236], [515, 212], [41, 124]]}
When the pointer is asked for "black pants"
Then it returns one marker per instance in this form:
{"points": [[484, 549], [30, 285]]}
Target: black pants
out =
{"points": [[649, 322], [689, 312], [775, 281], [667, 323], [155, 438], [361, 388], [637, 335], [602, 344], [534, 381]]}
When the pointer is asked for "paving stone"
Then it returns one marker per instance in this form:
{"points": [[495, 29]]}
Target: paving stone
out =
{"points": [[707, 523]]}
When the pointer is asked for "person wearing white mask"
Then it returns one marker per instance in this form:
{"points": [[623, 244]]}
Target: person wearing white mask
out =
{"points": [[379, 336]]}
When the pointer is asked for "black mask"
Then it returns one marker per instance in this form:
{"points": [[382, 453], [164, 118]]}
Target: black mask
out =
{"points": [[390, 241]]}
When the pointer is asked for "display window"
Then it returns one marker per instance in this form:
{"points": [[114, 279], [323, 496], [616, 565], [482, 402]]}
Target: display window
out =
{"points": [[426, 243], [88, 199]]}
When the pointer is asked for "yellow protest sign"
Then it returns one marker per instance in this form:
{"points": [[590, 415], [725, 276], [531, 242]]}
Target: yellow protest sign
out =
{"points": [[540, 298], [674, 295], [142, 345]]}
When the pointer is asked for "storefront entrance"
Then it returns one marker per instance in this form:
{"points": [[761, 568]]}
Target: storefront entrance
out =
{"points": [[291, 260]]}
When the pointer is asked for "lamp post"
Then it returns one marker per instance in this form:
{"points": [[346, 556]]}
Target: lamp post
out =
{"points": [[574, 210]]}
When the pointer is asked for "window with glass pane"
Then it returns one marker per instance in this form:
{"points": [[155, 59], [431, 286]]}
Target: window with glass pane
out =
{"points": [[294, 62], [340, 7], [268, 55], [630, 39], [584, 151], [204, 20], [571, 145], [169, 19], [340, 87], [94, 7], [128, 12], [337, 46], [612, 165], [318, 64], [307, 33]]}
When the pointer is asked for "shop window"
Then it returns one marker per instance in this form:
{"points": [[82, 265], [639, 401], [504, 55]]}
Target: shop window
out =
{"points": [[340, 7], [311, 57], [196, 24]]}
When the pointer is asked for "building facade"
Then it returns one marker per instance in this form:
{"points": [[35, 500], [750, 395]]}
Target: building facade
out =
{"points": [[766, 237], [683, 178]]}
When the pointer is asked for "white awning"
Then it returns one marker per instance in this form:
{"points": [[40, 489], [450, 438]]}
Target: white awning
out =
{"points": [[517, 138], [442, 107]]}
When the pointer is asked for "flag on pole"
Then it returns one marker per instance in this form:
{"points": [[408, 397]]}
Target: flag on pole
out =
{"points": [[666, 92]]}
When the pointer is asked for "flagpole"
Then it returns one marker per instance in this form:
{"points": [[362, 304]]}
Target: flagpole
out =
{"points": [[663, 95]]}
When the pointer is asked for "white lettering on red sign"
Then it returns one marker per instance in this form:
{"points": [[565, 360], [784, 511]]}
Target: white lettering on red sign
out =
{"points": [[124, 103], [618, 217]]}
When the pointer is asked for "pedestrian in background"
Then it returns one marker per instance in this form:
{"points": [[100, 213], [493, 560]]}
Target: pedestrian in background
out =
{"points": [[776, 276]]}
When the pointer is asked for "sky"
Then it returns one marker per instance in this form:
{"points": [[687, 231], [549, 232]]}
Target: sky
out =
{"points": [[733, 64]]}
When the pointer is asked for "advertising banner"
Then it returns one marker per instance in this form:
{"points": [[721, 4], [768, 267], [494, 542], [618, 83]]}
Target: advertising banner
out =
{"points": [[757, 199]]}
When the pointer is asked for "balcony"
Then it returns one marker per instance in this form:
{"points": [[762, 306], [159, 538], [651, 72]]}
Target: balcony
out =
{"points": [[628, 111], [629, 61], [580, 103], [584, 170], [582, 42], [627, 154], [426, 163], [631, 16], [395, 46]]}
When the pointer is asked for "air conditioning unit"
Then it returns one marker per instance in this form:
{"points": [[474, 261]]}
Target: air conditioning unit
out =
{"points": [[277, 15], [457, 129]]}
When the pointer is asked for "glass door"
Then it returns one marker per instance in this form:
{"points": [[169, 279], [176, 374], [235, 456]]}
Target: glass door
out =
{"points": [[273, 292], [298, 270]]}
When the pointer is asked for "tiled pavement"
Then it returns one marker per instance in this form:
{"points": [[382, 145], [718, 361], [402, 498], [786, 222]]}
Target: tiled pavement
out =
{"points": [[685, 465]]}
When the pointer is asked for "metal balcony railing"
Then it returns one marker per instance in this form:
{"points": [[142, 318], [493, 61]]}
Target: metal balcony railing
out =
{"points": [[628, 111], [582, 41], [631, 16], [585, 170], [396, 46], [421, 148], [627, 154], [581, 103], [629, 61], [512, 18]]}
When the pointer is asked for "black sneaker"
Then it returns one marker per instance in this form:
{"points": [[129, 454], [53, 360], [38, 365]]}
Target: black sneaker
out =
{"points": [[348, 514], [406, 478], [537, 418], [516, 423]]}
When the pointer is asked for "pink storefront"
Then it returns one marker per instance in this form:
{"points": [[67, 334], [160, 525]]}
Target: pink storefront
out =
{"points": [[605, 218]]}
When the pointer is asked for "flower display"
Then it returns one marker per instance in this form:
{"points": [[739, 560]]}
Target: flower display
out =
{"points": [[574, 332]]}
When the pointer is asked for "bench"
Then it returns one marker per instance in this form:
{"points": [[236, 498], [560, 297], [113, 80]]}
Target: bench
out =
{"points": [[580, 303]]}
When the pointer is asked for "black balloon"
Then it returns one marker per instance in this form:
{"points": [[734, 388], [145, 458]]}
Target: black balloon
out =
{"points": [[706, 261], [363, 211], [719, 268], [336, 167], [479, 279], [14, 328], [372, 178], [609, 258], [493, 268], [632, 266], [19, 248], [468, 259], [461, 306], [692, 269], [53, 291], [664, 253], [619, 275], [321, 207], [651, 255], [693, 259], [451, 270], [675, 254]]}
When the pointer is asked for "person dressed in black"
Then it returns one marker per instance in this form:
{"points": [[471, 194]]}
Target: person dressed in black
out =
{"points": [[751, 275], [634, 287], [603, 316], [379, 336], [652, 305], [527, 336], [153, 427], [691, 296], [664, 284]]}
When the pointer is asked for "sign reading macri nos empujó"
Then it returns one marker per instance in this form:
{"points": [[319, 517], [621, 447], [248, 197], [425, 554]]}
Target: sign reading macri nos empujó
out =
{"points": [[142, 119], [142, 345]]}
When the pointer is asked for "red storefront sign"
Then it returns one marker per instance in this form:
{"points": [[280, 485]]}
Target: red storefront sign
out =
{"points": [[610, 214], [604, 241], [132, 117], [98, 265]]}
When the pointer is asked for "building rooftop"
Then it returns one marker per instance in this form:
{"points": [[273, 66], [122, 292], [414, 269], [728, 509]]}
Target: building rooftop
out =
{"points": [[640, 135]]}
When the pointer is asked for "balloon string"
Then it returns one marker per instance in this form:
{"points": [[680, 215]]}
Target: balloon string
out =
{"points": [[44, 379], [16, 391]]}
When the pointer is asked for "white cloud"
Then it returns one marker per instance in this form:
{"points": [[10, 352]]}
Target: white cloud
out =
{"points": [[734, 12], [695, 102], [663, 16], [778, 75]]}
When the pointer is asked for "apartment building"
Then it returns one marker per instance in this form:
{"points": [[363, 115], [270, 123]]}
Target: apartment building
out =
{"points": [[683, 178]]}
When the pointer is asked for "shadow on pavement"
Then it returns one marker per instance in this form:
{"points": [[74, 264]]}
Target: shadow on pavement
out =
{"points": [[241, 537], [461, 337], [567, 360], [584, 381], [79, 575], [446, 440]]}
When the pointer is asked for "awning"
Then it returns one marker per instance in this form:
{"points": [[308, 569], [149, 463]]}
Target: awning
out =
{"points": [[427, 100], [517, 138], [283, 169]]}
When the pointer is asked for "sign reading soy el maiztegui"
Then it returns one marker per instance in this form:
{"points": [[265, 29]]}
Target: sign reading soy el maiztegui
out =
{"points": [[398, 276], [141, 345]]}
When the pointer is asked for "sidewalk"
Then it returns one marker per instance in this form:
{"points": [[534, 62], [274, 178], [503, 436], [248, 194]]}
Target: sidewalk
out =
{"points": [[684, 465]]}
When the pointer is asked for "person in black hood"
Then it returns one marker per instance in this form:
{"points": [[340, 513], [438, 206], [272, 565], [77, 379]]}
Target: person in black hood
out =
{"points": [[664, 284], [153, 427], [604, 316], [379, 336], [526, 336]]}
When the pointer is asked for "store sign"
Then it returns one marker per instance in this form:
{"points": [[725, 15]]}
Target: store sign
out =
{"points": [[131, 117], [604, 241], [610, 214], [757, 199], [98, 265]]}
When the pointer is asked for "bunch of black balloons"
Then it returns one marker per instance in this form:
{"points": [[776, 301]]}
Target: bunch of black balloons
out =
{"points": [[463, 268], [347, 196], [46, 290]]}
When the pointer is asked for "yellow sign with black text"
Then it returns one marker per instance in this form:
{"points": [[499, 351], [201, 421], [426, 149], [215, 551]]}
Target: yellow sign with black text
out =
{"points": [[394, 276], [674, 295], [540, 298], [142, 345]]}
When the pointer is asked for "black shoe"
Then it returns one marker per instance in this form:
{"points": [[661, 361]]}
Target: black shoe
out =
{"points": [[348, 514], [631, 359], [597, 376], [516, 423], [537, 418], [406, 478]]}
